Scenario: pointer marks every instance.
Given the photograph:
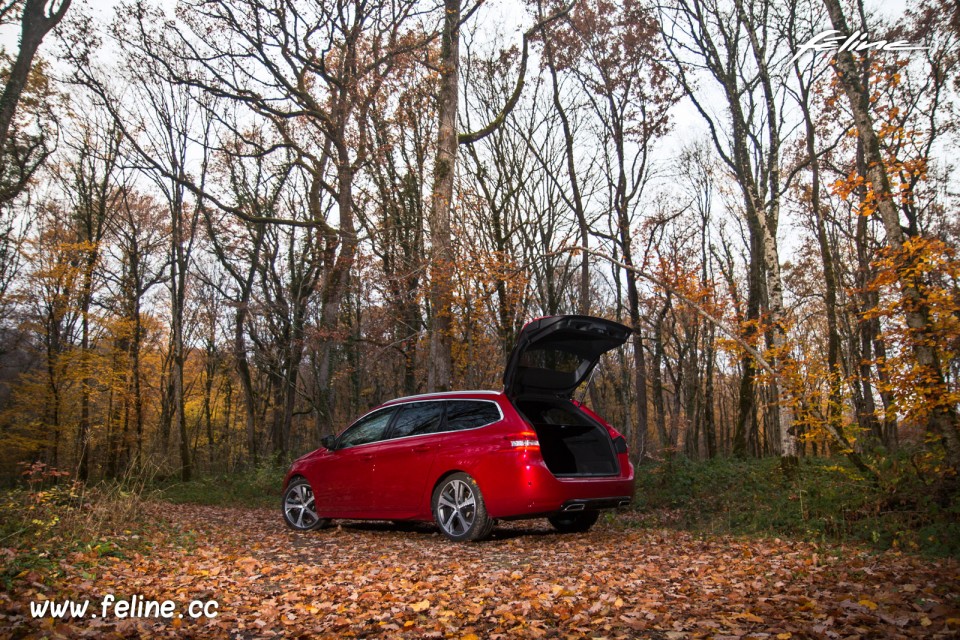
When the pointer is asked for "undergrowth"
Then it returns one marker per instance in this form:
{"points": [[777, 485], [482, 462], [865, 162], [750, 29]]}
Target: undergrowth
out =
{"points": [[257, 487], [823, 500], [50, 517]]}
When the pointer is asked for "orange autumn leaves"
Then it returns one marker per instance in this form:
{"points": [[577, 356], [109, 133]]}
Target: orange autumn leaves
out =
{"points": [[617, 582]]}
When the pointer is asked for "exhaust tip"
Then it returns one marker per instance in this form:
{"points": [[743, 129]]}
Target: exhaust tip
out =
{"points": [[576, 506]]}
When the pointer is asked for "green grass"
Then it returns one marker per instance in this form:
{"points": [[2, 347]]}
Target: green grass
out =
{"points": [[824, 500], [259, 487], [42, 526]]}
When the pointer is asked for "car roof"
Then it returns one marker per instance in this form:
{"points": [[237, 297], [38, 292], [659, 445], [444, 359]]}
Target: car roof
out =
{"points": [[445, 395]]}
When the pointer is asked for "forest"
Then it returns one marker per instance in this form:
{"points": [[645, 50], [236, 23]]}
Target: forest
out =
{"points": [[230, 227]]}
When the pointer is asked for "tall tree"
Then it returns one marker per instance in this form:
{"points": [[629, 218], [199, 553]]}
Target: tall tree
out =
{"points": [[441, 359], [19, 159], [138, 242], [575, 198], [499, 206], [258, 182], [942, 418], [310, 71], [440, 373], [90, 182], [736, 44], [405, 137], [169, 128], [615, 56]]}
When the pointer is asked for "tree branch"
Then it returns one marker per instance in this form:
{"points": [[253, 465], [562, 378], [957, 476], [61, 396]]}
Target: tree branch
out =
{"points": [[496, 123], [700, 311]]}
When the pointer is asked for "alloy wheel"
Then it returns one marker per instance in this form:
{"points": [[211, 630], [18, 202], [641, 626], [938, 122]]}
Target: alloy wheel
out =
{"points": [[456, 508], [298, 506]]}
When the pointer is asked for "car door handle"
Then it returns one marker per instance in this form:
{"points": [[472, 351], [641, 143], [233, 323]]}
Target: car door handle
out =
{"points": [[422, 448], [367, 456]]}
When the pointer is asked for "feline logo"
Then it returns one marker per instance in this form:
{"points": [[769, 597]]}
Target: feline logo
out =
{"points": [[858, 41]]}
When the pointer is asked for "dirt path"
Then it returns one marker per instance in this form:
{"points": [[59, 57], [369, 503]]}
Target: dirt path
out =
{"points": [[361, 580]]}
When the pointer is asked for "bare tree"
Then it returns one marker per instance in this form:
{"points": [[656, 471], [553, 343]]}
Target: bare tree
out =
{"points": [[736, 46], [396, 216], [614, 57], [500, 208], [440, 373], [448, 139], [138, 242], [90, 184]]}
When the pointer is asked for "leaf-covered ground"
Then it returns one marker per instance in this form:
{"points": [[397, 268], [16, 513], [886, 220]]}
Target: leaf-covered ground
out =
{"points": [[361, 580]]}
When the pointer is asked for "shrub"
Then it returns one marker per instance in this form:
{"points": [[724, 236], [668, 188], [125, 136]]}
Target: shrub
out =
{"points": [[825, 500]]}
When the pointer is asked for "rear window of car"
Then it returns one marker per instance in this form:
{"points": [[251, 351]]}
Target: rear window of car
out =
{"points": [[470, 414], [551, 359], [553, 413], [417, 419]]}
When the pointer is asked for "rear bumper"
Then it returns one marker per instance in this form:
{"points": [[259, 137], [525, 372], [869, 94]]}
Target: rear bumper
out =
{"points": [[531, 491]]}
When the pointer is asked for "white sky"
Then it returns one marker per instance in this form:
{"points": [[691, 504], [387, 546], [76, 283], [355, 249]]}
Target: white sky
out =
{"points": [[508, 17]]}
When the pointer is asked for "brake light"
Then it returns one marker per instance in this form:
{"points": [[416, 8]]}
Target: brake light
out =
{"points": [[620, 444], [524, 441]]}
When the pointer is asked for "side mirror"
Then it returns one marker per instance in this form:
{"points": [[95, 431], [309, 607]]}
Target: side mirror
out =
{"points": [[328, 442]]}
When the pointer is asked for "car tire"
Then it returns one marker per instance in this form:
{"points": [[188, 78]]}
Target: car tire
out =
{"points": [[299, 511], [459, 510], [576, 522]]}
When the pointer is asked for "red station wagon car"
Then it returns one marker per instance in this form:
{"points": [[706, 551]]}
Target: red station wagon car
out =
{"points": [[466, 459]]}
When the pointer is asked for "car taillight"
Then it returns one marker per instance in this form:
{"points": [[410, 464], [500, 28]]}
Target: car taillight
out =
{"points": [[524, 441], [620, 444]]}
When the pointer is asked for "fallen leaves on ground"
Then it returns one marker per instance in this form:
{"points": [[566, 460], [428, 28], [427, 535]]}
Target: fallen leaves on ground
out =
{"points": [[359, 580]]}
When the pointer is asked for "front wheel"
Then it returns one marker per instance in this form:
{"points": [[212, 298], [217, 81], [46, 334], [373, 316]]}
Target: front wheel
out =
{"points": [[459, 510], [299, 510], [576, 522]]}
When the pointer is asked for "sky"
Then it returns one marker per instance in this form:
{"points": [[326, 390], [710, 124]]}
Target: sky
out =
{"points": [[508, 18], [503, 23]]}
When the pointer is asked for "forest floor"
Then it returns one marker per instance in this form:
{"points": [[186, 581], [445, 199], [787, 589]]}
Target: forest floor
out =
{"points": [[620, 580]]}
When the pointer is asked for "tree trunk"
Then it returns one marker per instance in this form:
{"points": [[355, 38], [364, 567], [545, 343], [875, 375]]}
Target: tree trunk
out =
{"points": [[583, 306], [86, 382], [709, 420], [34, 25], [746, 434], [137, 388], [639, 357], [659, 410], [178, 279], [440, 372], [246, 379], [211, 371]]}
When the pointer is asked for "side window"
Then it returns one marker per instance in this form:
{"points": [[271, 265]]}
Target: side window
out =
{"points": [[470, 414], [417, 419], [366, 430]]}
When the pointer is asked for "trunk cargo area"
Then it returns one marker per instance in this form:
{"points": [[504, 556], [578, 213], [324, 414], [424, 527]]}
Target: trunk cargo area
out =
{"points": [[572, 444]]}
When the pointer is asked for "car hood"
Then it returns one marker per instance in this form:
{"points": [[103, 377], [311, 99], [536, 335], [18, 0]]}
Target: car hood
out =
{"points": [[554, 355]]}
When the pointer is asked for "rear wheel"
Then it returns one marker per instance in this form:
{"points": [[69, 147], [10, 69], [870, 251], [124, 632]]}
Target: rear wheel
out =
{"points": [[299, 510], [459, 510], [576, 522]]}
